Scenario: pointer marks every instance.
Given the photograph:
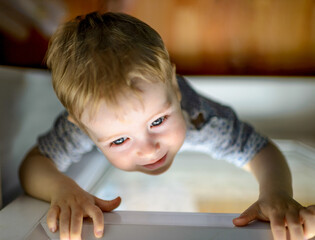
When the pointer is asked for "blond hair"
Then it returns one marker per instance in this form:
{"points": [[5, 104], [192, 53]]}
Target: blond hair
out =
{"points": [[95, 57]]}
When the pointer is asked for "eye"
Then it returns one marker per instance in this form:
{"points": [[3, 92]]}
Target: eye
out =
{"points": [[119, 141], [158, 121]]}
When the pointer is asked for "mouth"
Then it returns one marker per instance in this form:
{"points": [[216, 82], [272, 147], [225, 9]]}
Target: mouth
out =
{"points": [[157, 164]]}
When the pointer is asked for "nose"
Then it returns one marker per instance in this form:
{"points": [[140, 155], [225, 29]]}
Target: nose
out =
{"points": [[148, 148]]}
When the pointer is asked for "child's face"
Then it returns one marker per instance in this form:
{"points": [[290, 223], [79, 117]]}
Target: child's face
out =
{"points": [[144, 135]]}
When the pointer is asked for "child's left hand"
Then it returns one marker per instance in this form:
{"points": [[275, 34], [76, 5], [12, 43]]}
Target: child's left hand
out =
{"points": [[282, 211]]}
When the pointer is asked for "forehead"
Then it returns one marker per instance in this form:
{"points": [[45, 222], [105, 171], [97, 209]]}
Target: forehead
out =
{"points": [[151, 97]]}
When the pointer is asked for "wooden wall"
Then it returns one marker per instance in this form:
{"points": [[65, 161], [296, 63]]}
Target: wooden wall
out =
{"points": [[235, 36], [256, 37]]}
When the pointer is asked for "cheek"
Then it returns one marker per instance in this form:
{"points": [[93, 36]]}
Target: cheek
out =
{"points": [[178, 132], [122, 160], [181, 132]]}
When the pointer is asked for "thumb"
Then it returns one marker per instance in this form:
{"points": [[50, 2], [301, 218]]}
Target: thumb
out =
{"points": [[107, 206], [247, 216]]}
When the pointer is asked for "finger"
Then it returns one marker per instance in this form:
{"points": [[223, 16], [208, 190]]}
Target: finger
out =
{"points": [[308, 217], [107, 206], [247, 216], [277, 223], [52, 218], [64, 223], [98, 220], [294, 225], [76, 223]]}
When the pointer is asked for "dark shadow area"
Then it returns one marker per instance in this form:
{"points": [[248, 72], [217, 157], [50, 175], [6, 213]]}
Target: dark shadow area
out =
{"points": [[28, 107]]}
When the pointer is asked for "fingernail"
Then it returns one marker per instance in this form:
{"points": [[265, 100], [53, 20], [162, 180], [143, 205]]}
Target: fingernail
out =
{"points": [[99, 234], [53, 229]]}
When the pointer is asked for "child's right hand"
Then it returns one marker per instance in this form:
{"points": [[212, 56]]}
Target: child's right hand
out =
{"points": [[70, 205]]}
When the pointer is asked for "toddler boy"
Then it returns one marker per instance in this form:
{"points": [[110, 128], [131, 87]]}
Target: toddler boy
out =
{"points": [[113, 75]]}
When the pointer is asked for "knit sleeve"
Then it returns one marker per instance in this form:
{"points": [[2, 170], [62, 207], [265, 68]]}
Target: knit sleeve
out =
{"points": [[64, 143]]}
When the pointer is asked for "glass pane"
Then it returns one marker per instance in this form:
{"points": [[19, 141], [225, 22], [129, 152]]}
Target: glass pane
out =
{"points": [[197, 183]]}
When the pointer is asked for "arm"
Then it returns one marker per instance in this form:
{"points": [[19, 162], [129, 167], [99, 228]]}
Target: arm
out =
{"points": [[69, 203], [39, 176], [271, 171], [276, 203]]}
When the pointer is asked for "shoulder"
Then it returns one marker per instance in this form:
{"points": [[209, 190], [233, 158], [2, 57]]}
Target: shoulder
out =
{"points": [[190, 101], [198, 108]]}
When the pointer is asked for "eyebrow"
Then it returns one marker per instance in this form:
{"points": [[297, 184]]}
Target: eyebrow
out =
{"points": [[166, 105]]}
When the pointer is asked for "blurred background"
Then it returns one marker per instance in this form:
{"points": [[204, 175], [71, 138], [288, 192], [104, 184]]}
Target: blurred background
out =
{"points": [[204, 37]]}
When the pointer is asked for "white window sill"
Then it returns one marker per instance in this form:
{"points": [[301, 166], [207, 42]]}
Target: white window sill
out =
{"points": [[135, 225]]}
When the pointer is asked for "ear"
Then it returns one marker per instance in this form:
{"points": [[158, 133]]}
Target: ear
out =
{"points": [[78, 124], [175, 83], [71, 119]]}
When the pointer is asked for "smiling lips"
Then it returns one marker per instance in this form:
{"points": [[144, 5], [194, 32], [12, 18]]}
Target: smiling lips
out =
{"points": [[157, 164]]}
